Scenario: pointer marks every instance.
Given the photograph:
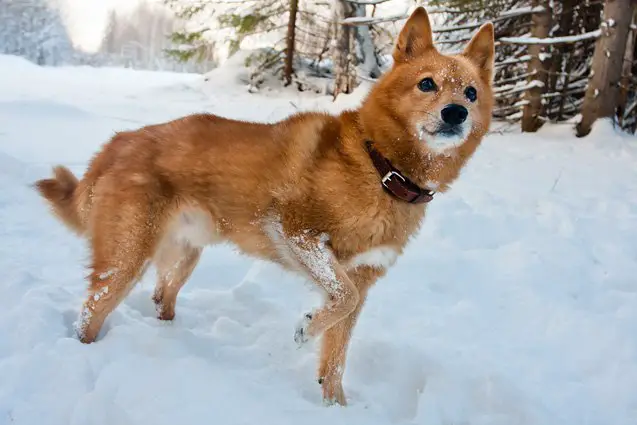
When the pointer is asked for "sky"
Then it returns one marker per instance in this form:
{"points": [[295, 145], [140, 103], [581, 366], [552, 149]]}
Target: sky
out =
{"points": [[86, 20]]}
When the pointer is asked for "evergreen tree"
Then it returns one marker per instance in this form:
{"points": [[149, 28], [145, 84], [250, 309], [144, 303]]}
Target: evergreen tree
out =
{"points": [[34, 30]]}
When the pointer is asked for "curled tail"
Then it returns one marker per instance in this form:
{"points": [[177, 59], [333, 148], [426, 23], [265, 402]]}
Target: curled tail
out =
{"points": [[60, 191]]}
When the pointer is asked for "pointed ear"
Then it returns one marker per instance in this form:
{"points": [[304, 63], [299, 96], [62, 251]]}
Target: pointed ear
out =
{"points": [[415, 38], [481, 49]]}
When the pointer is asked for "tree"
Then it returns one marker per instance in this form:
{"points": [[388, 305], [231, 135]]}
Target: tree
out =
{"points": [[290, 39], [366, 49], [602, 94], [627, 66], [537, 70], [34, 30], [295, 30], [542, 59], [343, 57]]}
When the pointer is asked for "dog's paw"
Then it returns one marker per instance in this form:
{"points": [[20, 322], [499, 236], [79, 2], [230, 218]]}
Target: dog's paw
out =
{"points": [[333, 394], [301, 335]]}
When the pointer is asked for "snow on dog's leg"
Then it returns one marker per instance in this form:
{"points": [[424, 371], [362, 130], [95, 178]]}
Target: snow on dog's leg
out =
{"points": [[107, 289], [316, 259], [175, 263], [311, 256]]}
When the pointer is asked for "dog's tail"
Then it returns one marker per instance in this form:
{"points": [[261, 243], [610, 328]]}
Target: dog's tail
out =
{"points": [[60, 191]]}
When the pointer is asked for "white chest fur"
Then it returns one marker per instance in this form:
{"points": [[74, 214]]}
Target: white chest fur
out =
{"points": [[380, 257]]}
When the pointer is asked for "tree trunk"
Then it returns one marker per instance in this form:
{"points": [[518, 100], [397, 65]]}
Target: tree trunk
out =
{"points": [[343, 55], [290, 39], [559, 52], [538, 67], [627, 66], [366, 44], [567, 79], [602, 94]]}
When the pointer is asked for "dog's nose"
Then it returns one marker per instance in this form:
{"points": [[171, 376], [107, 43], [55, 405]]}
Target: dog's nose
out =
{"points": [[454, 114]]}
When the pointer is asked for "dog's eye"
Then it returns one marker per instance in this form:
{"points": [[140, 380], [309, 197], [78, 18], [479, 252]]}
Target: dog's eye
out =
{"points": [[471, 93], [427, 84]]}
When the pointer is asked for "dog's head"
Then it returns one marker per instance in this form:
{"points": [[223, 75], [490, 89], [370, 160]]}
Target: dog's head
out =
{"points": [[440, 101]]}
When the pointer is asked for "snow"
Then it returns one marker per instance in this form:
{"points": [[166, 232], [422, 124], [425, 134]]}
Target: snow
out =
{"points": [[534, 84], [516, 303], [544, 56]]}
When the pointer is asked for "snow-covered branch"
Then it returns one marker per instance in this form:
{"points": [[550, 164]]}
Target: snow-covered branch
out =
{"points": [[512, 13], [367, 2], [364, 20], [551, 40], [511, 61]]}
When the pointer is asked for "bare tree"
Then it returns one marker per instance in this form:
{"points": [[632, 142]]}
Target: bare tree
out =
{"points": [[289, 44], [602, 94], [368, 59], [537, 68], [626, 73], [343, 55]]}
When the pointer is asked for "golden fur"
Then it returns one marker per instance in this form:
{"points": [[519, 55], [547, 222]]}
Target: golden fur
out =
{"points": [[301, 192]]}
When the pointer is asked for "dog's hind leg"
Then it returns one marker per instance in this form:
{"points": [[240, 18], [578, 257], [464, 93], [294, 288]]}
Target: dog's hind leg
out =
{"points": [[123, 238], [175, 263]]}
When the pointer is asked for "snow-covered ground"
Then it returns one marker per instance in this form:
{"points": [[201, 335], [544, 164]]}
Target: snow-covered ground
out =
{"points": [[517, 304]]}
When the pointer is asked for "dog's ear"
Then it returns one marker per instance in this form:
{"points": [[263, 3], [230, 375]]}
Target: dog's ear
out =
{"points": [[415, 38], [481, 50]]}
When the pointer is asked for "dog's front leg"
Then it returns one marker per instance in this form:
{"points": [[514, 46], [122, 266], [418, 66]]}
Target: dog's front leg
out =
{"points": [[335, 341], [314, 258], [311, 256], [334, 346]]}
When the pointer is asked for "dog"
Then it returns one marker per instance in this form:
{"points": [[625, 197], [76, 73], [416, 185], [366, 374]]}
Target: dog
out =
{"points": [[335, 198]]}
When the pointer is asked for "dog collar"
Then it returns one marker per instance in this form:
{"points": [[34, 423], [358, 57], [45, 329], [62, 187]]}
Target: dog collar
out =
{"points": [[395, 182]]}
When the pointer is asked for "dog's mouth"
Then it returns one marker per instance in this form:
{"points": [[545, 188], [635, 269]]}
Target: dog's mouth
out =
{"points": [[446, 130], [443, 136], [442, 130]]}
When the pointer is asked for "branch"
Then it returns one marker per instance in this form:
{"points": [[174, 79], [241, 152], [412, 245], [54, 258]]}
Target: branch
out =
{"points": [[520, 77], [511, 61], [520, 11], [392, 18], [551, 40], [362, 20], [630, 109], [367, 2]]}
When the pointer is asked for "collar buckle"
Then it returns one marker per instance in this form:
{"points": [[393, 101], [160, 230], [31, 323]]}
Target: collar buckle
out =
{"points": [[387, 177]]}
